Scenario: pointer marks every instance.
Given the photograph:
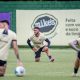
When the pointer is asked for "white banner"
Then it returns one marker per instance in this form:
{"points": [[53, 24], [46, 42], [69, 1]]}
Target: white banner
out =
{"points": [[60, 26]]}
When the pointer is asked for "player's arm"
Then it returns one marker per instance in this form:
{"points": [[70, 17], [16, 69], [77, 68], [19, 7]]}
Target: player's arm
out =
{"points": [[29, 43], [74, 45], [15, 47], [47, 40]]}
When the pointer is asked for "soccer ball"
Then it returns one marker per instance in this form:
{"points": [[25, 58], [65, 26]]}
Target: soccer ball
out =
{"points": [[20, 71]]}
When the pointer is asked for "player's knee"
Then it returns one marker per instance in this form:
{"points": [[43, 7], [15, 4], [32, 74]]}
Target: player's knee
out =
{"points": [[37, 60], [45, 49], [1, 73]]}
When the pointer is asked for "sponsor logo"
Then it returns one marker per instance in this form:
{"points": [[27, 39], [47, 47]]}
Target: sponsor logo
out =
{"points": [[46, 22]]}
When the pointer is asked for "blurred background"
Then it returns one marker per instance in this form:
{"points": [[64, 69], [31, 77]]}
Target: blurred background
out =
{"points": [[58, 20]]}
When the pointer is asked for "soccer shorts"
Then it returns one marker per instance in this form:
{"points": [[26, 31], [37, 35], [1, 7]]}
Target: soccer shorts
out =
{"points": [[2, 63], [38, 53]]}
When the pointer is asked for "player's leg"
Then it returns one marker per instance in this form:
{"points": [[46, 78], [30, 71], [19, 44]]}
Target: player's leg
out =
{"points": [[77, 64], [2, 68], [76, 67], [46, 50], [37, 55]]}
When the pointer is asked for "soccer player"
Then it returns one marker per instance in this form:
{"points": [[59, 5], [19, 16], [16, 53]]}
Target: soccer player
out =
{"points": [[6, 38], [38, 39], [75, 45]]}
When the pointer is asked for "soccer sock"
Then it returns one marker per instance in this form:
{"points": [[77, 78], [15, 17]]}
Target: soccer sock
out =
{"points": [[75, 70]]}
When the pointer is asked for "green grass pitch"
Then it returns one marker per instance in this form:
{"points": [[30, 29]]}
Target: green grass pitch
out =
{"points": [[60, 69]]}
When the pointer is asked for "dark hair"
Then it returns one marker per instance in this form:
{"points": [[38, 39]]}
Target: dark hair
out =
{"points": [[5, 21], [37, 28]]}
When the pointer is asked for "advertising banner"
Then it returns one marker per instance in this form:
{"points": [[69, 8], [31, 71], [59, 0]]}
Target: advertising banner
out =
{"points": [[60, 26]]}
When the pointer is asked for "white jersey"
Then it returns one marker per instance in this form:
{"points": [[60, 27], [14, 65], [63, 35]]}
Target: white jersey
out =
{"points": [[5, 42], [38, 41], [78, 41]]}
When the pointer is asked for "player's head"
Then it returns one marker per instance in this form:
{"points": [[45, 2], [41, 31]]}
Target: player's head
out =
{"points": [[36, 30], [5, 23]]}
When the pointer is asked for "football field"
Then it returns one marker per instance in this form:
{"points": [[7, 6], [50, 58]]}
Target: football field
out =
{"points": [[60, 69]]}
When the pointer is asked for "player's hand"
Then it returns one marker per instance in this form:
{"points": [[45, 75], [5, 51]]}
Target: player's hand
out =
{"points": [[34, 49], [19, 63]]}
